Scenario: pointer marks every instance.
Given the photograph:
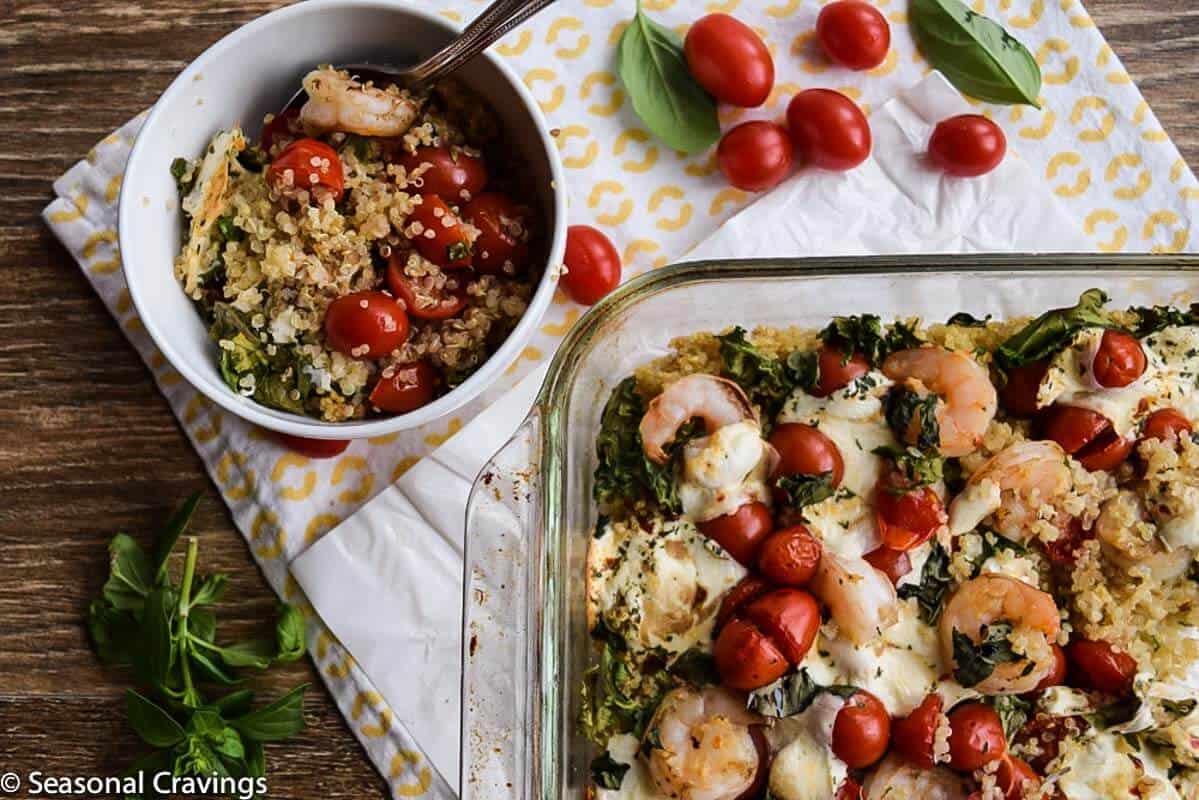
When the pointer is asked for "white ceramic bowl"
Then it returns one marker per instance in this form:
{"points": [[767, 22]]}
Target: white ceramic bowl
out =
{"points": [[251, 72]]}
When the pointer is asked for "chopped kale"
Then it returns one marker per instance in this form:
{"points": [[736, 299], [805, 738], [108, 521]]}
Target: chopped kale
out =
{"points": [[919, 468], [278, 380], [865, 335], [253, 159], [934, 585], [184, 175], [618, 697], [696, 667], [766, 381], [1053, 330], [903, 406], [976, 662], [625, 476], [1152, 320], [227, 230]]}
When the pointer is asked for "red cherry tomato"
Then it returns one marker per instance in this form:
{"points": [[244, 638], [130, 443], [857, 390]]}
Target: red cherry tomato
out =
{"points": [[976, 736], [592, 265], [405, 388], [747, 589], [1019, 394], [729, 60], [501, 224], [892, 563], [861, 730], [907, 518], [365, 324], [745, 658], [789, 557], [442, 303], [967, 146], [804, 450], [1096, 665], [1088, 436], [742, 532], [849, 790], [854, 34], [1119, 360], [309, 165], [1106, 453], [448, 172], [313, 448], [755, 156], [279, 130], [828, 129], [790, 617], [440, 237], [1015, 778], [1063, 551], [1167, 424], [837, 371], [914, 736], [1057, 675]]}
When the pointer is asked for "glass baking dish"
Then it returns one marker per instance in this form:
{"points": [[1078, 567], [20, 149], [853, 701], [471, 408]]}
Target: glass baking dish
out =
{"points": [[530, 515]]}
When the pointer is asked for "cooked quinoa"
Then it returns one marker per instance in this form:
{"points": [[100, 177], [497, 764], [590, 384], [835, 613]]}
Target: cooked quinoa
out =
{"points": [[275, 234]]}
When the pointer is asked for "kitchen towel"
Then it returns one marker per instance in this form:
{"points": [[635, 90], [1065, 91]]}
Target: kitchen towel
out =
{"points": [[1094, 144]]}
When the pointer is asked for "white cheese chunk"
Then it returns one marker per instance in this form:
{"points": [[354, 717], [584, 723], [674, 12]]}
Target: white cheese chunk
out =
{"points": [[1103, 766], [724, 471]]}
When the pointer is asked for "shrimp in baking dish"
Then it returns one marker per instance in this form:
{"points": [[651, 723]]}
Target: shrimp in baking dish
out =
{"points": [[861, 599], [1117, 529], [1033, 615], [895, 779], [338, 102], [968, 399], [703, 746], [1018, 485], [717, 401]]}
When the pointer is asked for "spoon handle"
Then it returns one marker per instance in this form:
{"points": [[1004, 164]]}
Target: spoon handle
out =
{"points": [[496, 20]]}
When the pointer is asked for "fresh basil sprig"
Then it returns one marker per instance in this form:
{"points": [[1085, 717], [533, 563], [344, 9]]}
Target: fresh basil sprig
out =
{"points": [[975, 53], [792, 694], [654, 71], [1053, 330]]}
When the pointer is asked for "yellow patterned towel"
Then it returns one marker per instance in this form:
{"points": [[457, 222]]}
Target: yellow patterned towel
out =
{"points": [[1095, 144]]}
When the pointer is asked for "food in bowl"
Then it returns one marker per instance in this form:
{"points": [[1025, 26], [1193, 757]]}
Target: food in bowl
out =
{"points": [[366, 255], [901, 561]]}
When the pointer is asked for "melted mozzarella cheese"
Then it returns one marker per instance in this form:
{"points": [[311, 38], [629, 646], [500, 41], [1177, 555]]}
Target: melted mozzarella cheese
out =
{"points": [[845, 524], [1005, 562], [1103, 766], [724, 471], [805, 767], [636, 784], [659, 587], [972, 505]]}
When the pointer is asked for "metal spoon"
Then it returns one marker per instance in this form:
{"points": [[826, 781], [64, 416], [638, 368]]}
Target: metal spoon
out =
{"points": [[496, 20]]}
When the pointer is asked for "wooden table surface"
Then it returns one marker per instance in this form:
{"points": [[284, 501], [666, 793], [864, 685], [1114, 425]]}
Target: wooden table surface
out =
{"points": [[87, 444]]}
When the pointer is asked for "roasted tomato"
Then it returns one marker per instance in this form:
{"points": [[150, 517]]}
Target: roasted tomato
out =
{"points": [[1119, 360], [789, 557], [1019, 393], [804, 450], [849, 789], [501, 223], [1088, 436], [755, 156], [1057, 675], [729, 60], [1167, 424], [828, 129], [790, 617], [914, 736], [907, 518], [281, 129], [592, 265], [746, 658], [433, 301], [441, 237], [450, 173], [313, 448], [404, 388], [365, 324], [892, 563], [976, 736], [1097, 665], [861, 730], [742, 532], [309, 165], [967, 146], [751, 587], [838, 371], [1063, 550], [1015, 778], [854, 34]]}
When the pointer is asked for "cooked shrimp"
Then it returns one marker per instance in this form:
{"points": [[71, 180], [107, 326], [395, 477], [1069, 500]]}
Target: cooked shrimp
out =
{"points": [[896, 779], [703, 748], [861, 599], [1130, 540], [1033, 615], [1016, 485], [338, 102], [717, 401], [968, 399]]}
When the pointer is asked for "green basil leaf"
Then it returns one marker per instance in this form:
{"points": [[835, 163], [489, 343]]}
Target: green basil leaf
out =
{"points": [[975, 53], [208, 667], [934, 585], [154, 658], [1152, 320], [289, 634], [865, 335], [201, 623], [234, 704], [791, 695], [280, 720], [606, 772], [113, 632], [976, 662], [1013, 711], [175, 527], [1053, 330], [966, 320], [152, 722], [255, 759], [256, 654], [696, 667], [919, 468], [209, 590], [154, 764], [130, 576], [805, 490], [902, 406], [654, 71]]}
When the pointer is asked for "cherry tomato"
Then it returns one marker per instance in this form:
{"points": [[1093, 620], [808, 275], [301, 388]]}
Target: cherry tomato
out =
{"points": [[1063, 551], [828, 129], [745, 658], [406, 388], [907, 518], [1019, 394], [1057, 675], [365, 324], [592, 265], [313, 448], [279, 129], [861, 730], [790, 617], [1049, 733], [837, 371], [1119, 360], [448, 172], [755, 156], [914, 736], [789, 557], [854, 34], [967, 146], [1107, 452], [442, 238], [1167, 424], [1096, 665], [729, 60], [742, 532], [1088, 436], [804, 450], [892, 563], [310, 165], [501, 224], [1015, 778], [849, 790], [747, 589], [976, 736], [446, 302]]}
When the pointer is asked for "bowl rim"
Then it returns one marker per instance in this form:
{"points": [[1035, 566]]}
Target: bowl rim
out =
{"points": [[295, 424]]}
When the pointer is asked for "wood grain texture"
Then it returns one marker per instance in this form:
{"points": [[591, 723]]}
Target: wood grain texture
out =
{"points": [[89, 447]]}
